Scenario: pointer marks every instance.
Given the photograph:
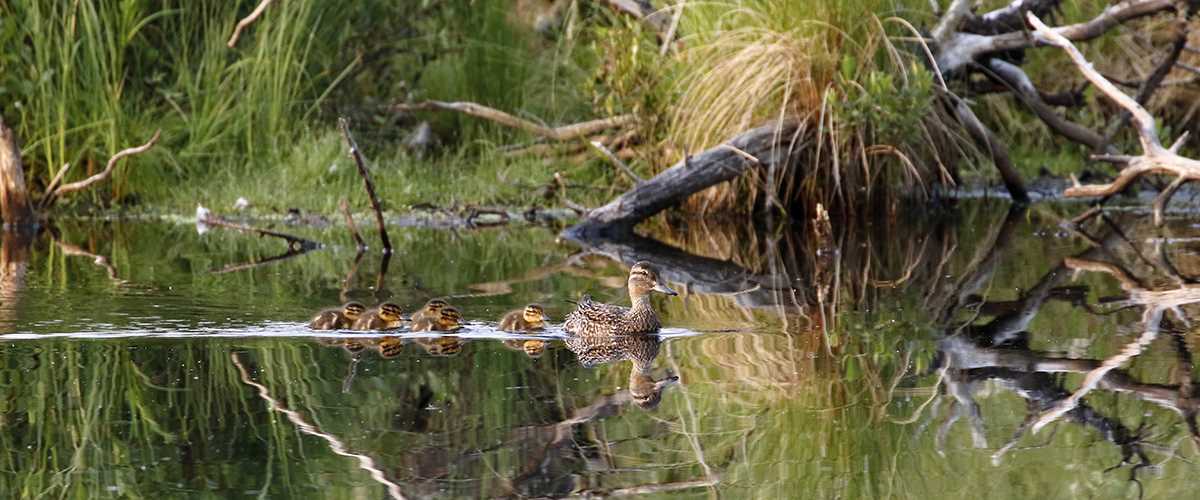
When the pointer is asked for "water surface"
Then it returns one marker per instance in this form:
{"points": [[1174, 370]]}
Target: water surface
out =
{"points": [[983, 352]]}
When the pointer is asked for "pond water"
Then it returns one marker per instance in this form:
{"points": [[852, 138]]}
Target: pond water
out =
{"points": [[980, 352]]}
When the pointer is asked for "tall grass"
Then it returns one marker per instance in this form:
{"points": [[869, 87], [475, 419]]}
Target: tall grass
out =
{"points": [[868, 121]]}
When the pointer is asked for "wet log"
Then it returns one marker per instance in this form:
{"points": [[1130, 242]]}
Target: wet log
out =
{"points": [[15, 206], [762, 146]]}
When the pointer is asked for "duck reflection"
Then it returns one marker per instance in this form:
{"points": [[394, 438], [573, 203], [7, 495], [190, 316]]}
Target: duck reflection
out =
{"points": [[645, 390]]}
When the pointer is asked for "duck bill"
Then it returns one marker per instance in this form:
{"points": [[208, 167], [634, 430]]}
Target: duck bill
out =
{"points": [[661, 288]]}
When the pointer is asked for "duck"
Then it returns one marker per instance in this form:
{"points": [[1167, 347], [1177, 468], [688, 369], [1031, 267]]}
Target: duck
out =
{"points": [[431, 310], [441, 346], [385, 317], [448, 319], [338, 318], [390, 347], [530, 319], [594, 318]]}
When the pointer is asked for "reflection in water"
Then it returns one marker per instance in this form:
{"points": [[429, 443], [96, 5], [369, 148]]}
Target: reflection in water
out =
{"points": [[640, 349], [836, 361]]}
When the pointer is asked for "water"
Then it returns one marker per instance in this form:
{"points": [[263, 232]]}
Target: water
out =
{"points": [[912, 359]]}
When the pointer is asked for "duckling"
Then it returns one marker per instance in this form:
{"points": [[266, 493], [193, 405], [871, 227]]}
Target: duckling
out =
{"points": [[337, 319], [441, 346], [390, 347], [448, 319], [385, 317], [529, 319], [431, 310], [593, 318]]}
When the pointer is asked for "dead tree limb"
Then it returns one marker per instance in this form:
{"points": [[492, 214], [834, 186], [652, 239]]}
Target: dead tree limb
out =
{"points": [[563, 133], [1155, 80], [247, 21], [1013, 76], [51, 197], [15, 207], [689, 176], [961, 49], [344, 206], [206, 218], [1155, 158], [995, 147], [356, 154], [642, 10], [617, 162]]}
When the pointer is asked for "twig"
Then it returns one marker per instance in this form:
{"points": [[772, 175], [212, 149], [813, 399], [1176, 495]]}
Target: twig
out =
{"points": [[251, 264], [617, 161], [355, 153], [1155, 80], [668, 40], [1155, 158], [247, 21], [42, 204], [112, 163], [358, 241], [563, 133], [294, 242]]}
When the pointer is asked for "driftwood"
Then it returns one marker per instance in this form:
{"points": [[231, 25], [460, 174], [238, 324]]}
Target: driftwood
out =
{"points": [[15, 207], [344, 206], [563, 133], [357, 155], [1155, 158], [205, 218], [765, 145], [247, 21]]}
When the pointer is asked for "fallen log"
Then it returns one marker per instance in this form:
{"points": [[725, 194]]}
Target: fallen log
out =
{"points": [[563, 133], [763, 146]]}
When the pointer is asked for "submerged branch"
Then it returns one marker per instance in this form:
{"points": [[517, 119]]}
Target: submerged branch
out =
{"points": [[205, 218]]}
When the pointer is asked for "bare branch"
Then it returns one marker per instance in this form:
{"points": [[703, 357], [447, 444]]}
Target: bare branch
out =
{"points": [[112, 163], [356, 154], [46, 198], [1155, 80], [344, 206], [1154, 158], [998, 151], [955, 16], [563, 133], [205, 218], [247, 21], [1024, 90], [617, 161]]}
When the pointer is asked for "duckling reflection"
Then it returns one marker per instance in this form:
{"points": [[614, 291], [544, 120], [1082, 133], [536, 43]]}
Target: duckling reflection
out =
{"points": [[528, 320], [441, 346], [338, 318], [390, 347], [387, 316], [641, 350], [594, 318]]}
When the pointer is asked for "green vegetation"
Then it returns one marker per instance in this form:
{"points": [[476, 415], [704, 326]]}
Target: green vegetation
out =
{"points": [[82, 80]]}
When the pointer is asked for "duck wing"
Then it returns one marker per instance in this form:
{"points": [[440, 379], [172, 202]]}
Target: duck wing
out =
{"points": [[591, 317]]}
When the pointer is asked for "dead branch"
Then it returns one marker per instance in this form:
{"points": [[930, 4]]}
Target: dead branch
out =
{"points": [[672, 29], [617, 162], [955, 16], [356, 154], [108, 169], [961, 49], [1155, 80], [1023, 89], [995, 147], [344, 206], [247, 21], [62, 172], [766, 145], [253, 263], [563, 133], [99, 260], [1155, 158], [642, 10], [205, 218]]}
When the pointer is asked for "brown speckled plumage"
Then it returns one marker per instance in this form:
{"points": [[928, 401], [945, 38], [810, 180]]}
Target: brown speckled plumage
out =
{"points": [[337, 319], [529, 319], [594, 318], [448, 319], [385, 317], [641, 349], [441, 346], [390, 347]]}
